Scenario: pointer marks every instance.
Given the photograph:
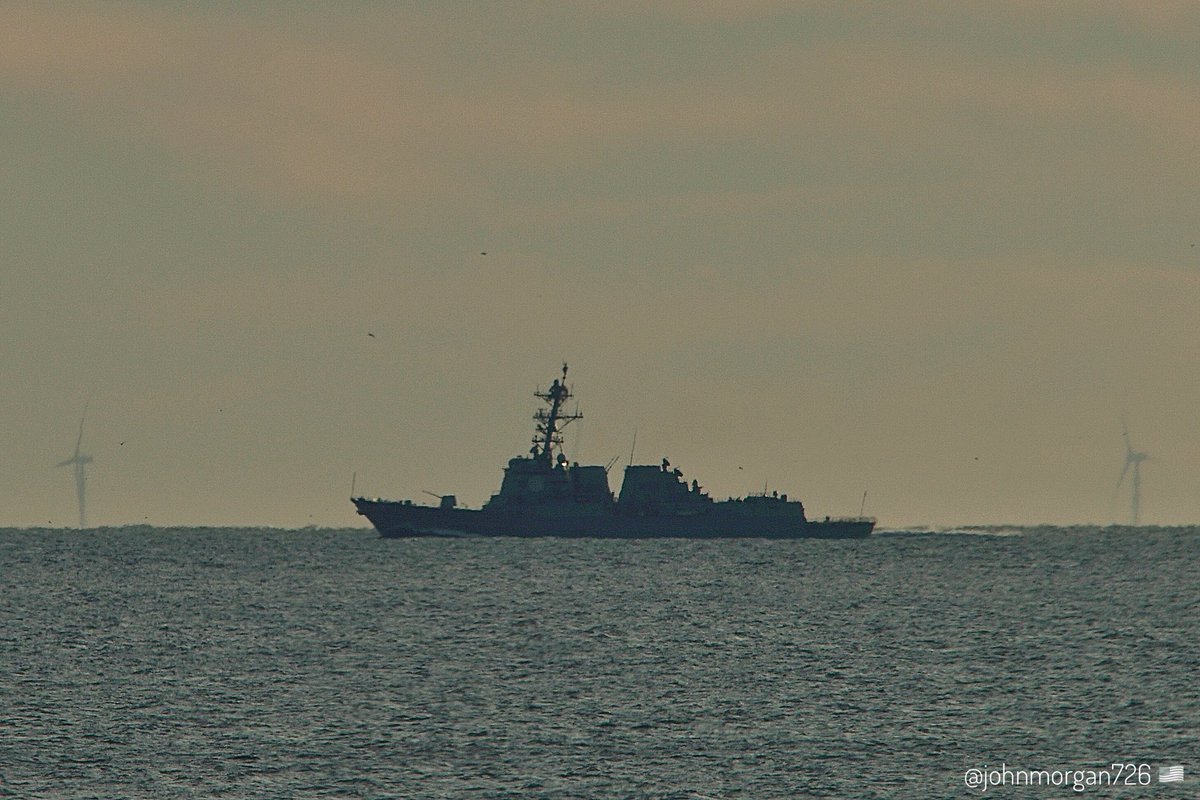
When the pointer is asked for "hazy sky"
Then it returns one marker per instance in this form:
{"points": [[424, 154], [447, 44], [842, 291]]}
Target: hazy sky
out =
{"points": [[927, 250]]}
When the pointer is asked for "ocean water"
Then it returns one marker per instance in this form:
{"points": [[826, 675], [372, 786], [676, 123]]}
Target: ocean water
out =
{"points": [[291, 664]]}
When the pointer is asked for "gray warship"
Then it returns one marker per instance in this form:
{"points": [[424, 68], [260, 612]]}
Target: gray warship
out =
{"points": [[544, 494]]}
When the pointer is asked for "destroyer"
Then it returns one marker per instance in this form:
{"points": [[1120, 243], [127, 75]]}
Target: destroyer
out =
{"points": [[542, 494]]}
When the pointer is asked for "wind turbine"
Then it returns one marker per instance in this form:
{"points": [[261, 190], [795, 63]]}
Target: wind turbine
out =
{"points": [[1134, 458], [79, 461]]}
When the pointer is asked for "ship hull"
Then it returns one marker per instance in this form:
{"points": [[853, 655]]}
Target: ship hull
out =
{"points": [[401, 520]]}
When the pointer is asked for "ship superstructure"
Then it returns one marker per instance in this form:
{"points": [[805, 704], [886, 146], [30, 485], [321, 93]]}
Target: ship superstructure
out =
{"points": [[545, 476]]}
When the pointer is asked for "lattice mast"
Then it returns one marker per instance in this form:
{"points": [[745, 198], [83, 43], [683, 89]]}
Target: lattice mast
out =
{"points": [[551, 421]]}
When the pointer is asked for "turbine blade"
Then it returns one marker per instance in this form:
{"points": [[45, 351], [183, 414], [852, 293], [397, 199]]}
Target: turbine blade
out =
{"points": [[1124, 470], [79, 440], [66, 463]]}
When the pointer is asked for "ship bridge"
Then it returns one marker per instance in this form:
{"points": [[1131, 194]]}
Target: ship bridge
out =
{"points": [[531, 481]]}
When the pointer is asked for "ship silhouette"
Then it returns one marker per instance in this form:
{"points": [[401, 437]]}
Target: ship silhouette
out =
{"points": [[544, 494]]}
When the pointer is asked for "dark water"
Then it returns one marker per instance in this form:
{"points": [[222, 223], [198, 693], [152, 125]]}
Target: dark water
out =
{"points": [[221, 663]]}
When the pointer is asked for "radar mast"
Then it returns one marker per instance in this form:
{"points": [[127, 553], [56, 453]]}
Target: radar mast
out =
{"points": [[551, 421]]}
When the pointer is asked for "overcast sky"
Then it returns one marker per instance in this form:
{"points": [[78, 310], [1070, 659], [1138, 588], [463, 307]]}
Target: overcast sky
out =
{"points": [[926, 250]]}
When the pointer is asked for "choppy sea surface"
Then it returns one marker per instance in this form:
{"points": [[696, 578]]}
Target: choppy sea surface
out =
{"points": [[198, 663]]}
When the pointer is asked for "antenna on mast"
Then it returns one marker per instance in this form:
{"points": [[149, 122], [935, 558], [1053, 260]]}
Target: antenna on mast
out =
{"points": [[633, 446], [550, 422]]}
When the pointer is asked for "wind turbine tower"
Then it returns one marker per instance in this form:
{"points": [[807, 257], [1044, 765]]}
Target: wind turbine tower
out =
{"points": [[1133, 458], [79, 461]]}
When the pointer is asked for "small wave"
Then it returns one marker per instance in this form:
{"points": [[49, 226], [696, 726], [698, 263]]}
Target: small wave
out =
{"points": [[1006, 531]]}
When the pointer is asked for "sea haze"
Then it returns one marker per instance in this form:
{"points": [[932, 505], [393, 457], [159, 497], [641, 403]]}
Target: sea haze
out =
{"points": [[288, 664]]}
